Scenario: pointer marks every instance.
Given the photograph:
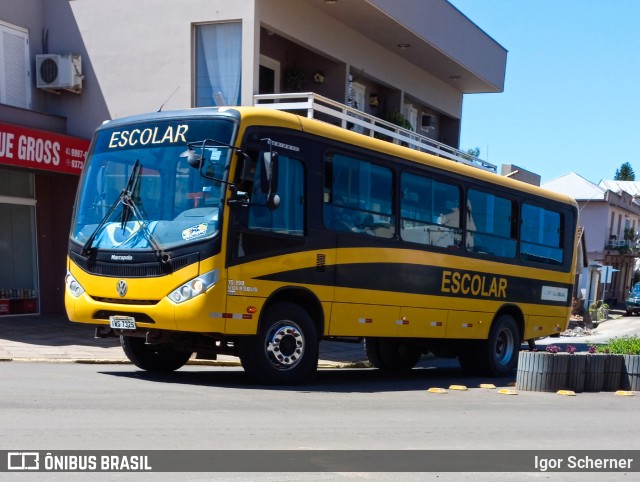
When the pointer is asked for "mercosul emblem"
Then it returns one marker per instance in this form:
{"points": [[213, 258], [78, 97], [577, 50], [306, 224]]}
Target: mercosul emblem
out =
{"points": [[122, 287]]}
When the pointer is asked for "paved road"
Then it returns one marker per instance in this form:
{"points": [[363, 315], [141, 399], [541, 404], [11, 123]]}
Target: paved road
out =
{"points": [[76, 406]]}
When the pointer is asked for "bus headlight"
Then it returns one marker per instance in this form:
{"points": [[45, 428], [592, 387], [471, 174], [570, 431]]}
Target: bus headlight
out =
{"points": [[194, 287], [72, 285]]}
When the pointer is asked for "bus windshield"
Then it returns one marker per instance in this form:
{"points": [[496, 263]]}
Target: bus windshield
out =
{"points": [[138, 190]]}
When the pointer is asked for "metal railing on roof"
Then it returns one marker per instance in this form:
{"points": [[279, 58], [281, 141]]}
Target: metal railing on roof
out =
{"points": [[364, 123]]}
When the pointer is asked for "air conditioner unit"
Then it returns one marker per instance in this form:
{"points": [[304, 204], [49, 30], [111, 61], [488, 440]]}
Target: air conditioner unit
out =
{"points": [[55, 72]]}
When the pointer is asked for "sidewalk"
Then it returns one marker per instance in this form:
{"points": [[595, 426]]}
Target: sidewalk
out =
{"points": [[52, 338]]}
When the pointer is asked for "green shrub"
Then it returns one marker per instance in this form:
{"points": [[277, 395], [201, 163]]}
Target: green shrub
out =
{"points": [[623, 345]]}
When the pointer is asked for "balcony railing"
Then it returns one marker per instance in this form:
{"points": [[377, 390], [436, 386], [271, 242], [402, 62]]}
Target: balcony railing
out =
{"points": [[344, 116], [623, 244]]}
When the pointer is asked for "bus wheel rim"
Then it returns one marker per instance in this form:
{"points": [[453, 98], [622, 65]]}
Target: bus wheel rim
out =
{"points": [[505, 347], [284, 344]]}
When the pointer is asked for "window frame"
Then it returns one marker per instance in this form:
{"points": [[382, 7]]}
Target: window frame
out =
{"points": [[24, 72], [443, 229], [379, 229], [561, 234]]}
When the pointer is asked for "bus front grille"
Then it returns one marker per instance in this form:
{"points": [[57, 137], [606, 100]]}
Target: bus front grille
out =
{"points": [[121, 301], [137, 270]]}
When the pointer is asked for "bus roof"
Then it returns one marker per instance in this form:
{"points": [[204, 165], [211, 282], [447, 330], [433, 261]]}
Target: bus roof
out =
{"points": [[259, 115], [276, 118]]}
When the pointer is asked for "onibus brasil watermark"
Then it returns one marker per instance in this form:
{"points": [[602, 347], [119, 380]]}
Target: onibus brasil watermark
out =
{"points": [[320, 461], [36, 461]]}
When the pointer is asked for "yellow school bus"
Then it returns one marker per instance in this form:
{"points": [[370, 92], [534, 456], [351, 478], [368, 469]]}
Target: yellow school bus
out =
{"points": [[258, 233]]}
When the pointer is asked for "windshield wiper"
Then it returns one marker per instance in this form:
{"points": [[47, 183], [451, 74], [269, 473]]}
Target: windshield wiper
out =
{"points": [[132, 207], [86, 247], [129, 207], [127, 194]]}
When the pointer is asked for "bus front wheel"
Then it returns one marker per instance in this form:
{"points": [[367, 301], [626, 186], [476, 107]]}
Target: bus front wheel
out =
{"points": [[285, 350], [153, 358], [497, 356]]}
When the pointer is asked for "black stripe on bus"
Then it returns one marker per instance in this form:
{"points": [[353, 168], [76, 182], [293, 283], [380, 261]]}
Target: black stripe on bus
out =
{"points": [[433, 281]]}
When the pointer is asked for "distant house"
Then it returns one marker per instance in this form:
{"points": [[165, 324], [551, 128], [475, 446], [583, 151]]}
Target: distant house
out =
{"points": [[610, 215]]}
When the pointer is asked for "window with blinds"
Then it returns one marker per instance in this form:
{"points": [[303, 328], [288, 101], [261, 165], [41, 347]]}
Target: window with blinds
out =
{"points": [[15, 68]]}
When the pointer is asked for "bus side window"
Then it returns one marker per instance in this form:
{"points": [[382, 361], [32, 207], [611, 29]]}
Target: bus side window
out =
{"points": [[358, 196], [430, 212], [541, 235], [261, 229], [491, 222]]}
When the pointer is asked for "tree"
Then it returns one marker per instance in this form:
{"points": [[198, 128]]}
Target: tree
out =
{"points": [[475, 152], [471, 153], [625, 173]]}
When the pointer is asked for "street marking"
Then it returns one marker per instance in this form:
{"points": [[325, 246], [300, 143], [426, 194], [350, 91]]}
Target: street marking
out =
{"points": [[436, 390], [568, 393], [624, 393], [461, 388]]}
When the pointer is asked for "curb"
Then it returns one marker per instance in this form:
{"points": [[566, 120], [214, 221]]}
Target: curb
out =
{"points": [[322, 364]]}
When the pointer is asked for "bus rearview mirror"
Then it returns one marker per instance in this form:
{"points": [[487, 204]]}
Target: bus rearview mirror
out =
{"points": [[269, 173], [193, 158]]}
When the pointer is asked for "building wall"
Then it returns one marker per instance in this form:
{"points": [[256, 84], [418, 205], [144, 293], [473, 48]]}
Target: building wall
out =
{"points": [[134, 66], [594, 217], [136, 53]]}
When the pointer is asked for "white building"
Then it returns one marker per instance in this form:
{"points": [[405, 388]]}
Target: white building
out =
{"points": [[68, 65]]}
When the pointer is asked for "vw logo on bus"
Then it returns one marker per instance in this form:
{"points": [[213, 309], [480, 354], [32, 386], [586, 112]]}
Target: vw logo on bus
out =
{"points": [[122, 287]]}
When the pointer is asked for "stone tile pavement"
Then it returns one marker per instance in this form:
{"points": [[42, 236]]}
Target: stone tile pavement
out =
{"points": [[53, 338]]}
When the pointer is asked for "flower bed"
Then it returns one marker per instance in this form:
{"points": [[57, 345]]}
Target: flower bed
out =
{"points": [[584, 372], [553, 370]]}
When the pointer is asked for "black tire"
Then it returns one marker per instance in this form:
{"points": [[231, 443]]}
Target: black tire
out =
{"points": [[388, 354], [153, 358], [629, 313], [285, 350], [497, 356]]}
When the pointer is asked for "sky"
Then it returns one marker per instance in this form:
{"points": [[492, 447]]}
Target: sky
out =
{"points": [[571, 101]]}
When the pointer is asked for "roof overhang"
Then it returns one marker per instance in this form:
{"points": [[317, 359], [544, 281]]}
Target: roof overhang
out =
{"points": [[431, 34]]}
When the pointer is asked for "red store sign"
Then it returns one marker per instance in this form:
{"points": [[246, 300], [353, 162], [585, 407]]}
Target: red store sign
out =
{"points": [[37, 149]]}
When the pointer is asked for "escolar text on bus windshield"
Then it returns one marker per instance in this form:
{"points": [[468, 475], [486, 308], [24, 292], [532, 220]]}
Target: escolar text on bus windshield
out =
{"points": [[149, 135]]}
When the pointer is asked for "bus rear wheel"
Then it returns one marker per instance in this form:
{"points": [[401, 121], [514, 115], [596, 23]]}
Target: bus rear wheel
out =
{"points": [[388, 354], [285, 350], [497, 356], [153, 358]]}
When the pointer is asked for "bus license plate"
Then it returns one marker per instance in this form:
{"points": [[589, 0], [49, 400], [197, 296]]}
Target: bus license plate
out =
{"points": [[122, 322]]}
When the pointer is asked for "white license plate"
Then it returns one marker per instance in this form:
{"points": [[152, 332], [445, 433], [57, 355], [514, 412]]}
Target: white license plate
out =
{"points": [[122, 322]]}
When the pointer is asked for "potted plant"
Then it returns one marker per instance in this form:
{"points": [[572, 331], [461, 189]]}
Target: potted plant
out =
{"points": [[554, 369], [628, 349], [599, 311], [605, 369], [294, 80], [542, 371]]}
